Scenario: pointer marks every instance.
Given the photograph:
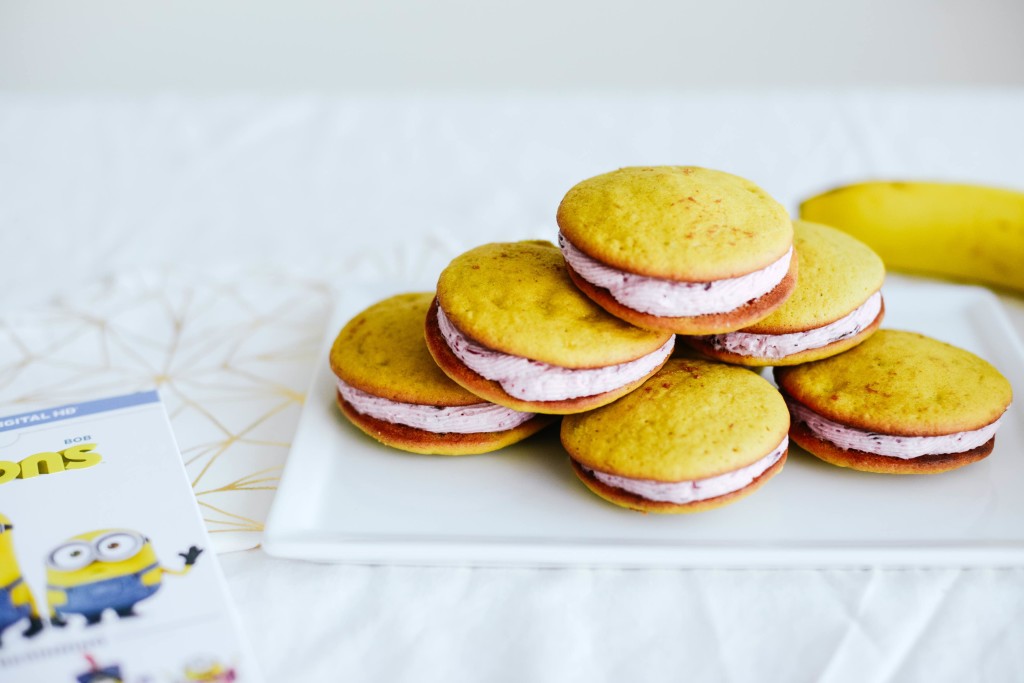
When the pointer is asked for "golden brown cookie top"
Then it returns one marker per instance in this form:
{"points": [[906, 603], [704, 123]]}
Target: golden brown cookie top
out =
{"points": [[382, 351], [901, 383], [517, 298], [694, 419], [682, 223]]}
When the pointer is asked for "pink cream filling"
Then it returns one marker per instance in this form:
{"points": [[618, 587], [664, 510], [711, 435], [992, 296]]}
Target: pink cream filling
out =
{"points": [[682, 492], [531, 380], [472, 419], [672, 299], [775, 346], [893, 446]]}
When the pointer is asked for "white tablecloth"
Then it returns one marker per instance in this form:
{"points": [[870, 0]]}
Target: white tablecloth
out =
{"points": [[332, 192]]}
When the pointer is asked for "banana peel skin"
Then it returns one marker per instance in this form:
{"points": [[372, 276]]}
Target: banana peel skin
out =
{"points": [[971, 233]]}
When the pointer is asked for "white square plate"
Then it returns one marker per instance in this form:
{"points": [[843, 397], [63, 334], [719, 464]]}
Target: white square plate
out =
{"points": [[346, 498]]}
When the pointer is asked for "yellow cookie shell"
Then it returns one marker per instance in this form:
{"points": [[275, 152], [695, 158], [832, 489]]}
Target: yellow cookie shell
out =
{"points": [[694, 419], [901, 383], [517, 298], [682, 223], [382, 352], [837, 275]]}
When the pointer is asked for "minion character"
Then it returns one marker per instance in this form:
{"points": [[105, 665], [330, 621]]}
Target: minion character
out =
{"points": [[107, 569], [203, 670], [16, 602]]}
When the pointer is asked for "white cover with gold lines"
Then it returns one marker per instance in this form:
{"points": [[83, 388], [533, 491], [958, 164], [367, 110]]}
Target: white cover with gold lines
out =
{"points": [[231, 354]]}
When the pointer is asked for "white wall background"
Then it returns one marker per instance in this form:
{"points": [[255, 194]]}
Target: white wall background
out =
{"points": [[140, 46]]}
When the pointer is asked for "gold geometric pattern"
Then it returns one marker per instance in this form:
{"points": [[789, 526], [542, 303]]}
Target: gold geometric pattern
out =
{"points": [[231, 355]]}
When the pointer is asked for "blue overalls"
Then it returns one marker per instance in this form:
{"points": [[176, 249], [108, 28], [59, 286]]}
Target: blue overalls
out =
{"points": [[9, 612], [119, 594]]}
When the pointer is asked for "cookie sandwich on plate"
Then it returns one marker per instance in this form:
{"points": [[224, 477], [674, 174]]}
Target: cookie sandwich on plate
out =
{"points": [[509, 326], [836, 305], [679, 248], [899, 403], [697, 435], [390, 388]]}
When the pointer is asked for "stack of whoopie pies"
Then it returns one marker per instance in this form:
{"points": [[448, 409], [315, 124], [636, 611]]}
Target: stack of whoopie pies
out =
{"points": [[517, 334]]}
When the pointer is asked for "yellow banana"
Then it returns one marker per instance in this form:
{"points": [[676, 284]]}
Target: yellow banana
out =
{"points": [[966, 232]]}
